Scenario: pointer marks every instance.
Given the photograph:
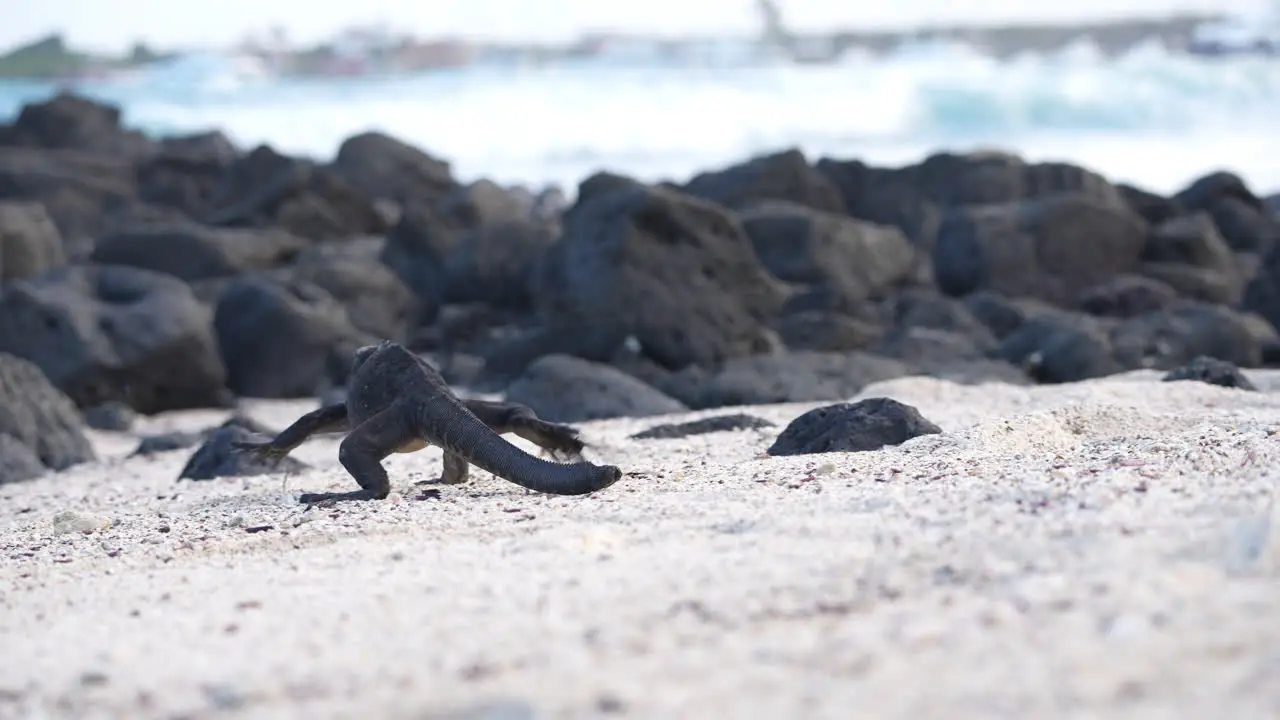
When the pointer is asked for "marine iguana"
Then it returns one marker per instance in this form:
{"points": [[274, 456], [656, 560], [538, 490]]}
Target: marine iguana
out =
{"points": [[398, 403]]}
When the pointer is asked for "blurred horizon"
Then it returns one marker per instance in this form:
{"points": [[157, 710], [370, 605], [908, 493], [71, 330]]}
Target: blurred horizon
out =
{"points": [[114, 27]]}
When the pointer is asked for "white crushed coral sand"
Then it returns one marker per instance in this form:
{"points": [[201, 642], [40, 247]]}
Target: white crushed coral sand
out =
{"points": [[1100, 550]]}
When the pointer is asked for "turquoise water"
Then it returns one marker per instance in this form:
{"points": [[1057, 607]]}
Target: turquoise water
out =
{"points": [[1150, 118]]}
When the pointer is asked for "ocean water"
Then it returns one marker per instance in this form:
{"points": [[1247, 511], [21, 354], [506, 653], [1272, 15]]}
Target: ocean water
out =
{"points": [[1150, 117]]}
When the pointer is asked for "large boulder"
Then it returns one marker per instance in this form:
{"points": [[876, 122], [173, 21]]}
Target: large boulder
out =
{"points": [[266, 188], [283, 339], [196, 252], [30, 243], [105, 333], [1262, 295], [478, 245], [185, 171], [851, 259], [377, 302], [40, 428], [384, 168], [1239, 215], [785, 175], [85, 195], [493, 264], [1206, 190], [1190, 255], [916, 197], [1128, 295], [1060, 348], [676, 273], [68, 121], [1051, 248], [782, 377], [1153, 207], [1178, 334], [415, 250], [560, 388]]}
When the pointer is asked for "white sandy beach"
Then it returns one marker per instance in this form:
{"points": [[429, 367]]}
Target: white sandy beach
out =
{"points": [[1100, 550]]}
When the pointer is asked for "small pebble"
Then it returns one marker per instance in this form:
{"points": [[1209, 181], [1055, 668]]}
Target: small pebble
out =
{"points": [[74, 522]]}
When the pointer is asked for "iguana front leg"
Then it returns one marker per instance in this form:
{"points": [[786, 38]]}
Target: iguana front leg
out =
{"points": [[330, 418]]}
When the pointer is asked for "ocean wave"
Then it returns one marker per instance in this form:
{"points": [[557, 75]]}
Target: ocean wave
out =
{"points": [[559, 123]]}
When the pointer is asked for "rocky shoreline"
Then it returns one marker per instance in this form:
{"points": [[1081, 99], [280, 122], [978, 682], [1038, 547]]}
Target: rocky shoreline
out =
{"points": [[145, 275]]}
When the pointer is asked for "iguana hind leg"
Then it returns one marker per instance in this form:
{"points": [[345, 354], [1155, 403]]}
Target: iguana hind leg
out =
{"points": [[561, 441], [363, 451], [448, 424], [456, 469], [501, 417]]}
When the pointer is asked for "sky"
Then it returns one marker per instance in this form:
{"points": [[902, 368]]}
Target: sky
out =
{"points": [[113, 25]]}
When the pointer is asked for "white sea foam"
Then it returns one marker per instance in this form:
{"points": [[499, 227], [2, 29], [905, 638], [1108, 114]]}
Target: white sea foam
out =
{"points": [[1150, 117]]}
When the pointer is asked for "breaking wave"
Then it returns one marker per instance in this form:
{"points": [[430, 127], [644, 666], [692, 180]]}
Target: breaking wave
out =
{"points": [[1149, 117]]}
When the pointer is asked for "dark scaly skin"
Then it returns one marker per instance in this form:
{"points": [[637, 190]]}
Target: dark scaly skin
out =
{"points": [[561, 441], [397, 402]]}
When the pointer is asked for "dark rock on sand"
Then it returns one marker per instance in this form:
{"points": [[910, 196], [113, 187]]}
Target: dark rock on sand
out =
{"points": [[1003, 315], [928, 327], [217, 457], [40, 428], [18, 462], [676, 273], [1272, 205], [1239, 215], [703, 426], [1246, 227], [167, 441], [68, 121], [1125, 296], [915, 198], [868, 424], [181, 440], [494, 263], [826, 331], [415, 249], [480, 245], [560, 388], [113, 416], [382, 167], [782, 377], [1052, 248], [168, 272], [1208, 189], [376, 300], [86, 195], [783, 175], [1168, 338], [30, 244], [1262, 295], [194, 252], [851, 259], [185, 172], [1059, 348], [1153, 208], [106, 333], [1213, 371], [267, 189], [283, 339]]}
